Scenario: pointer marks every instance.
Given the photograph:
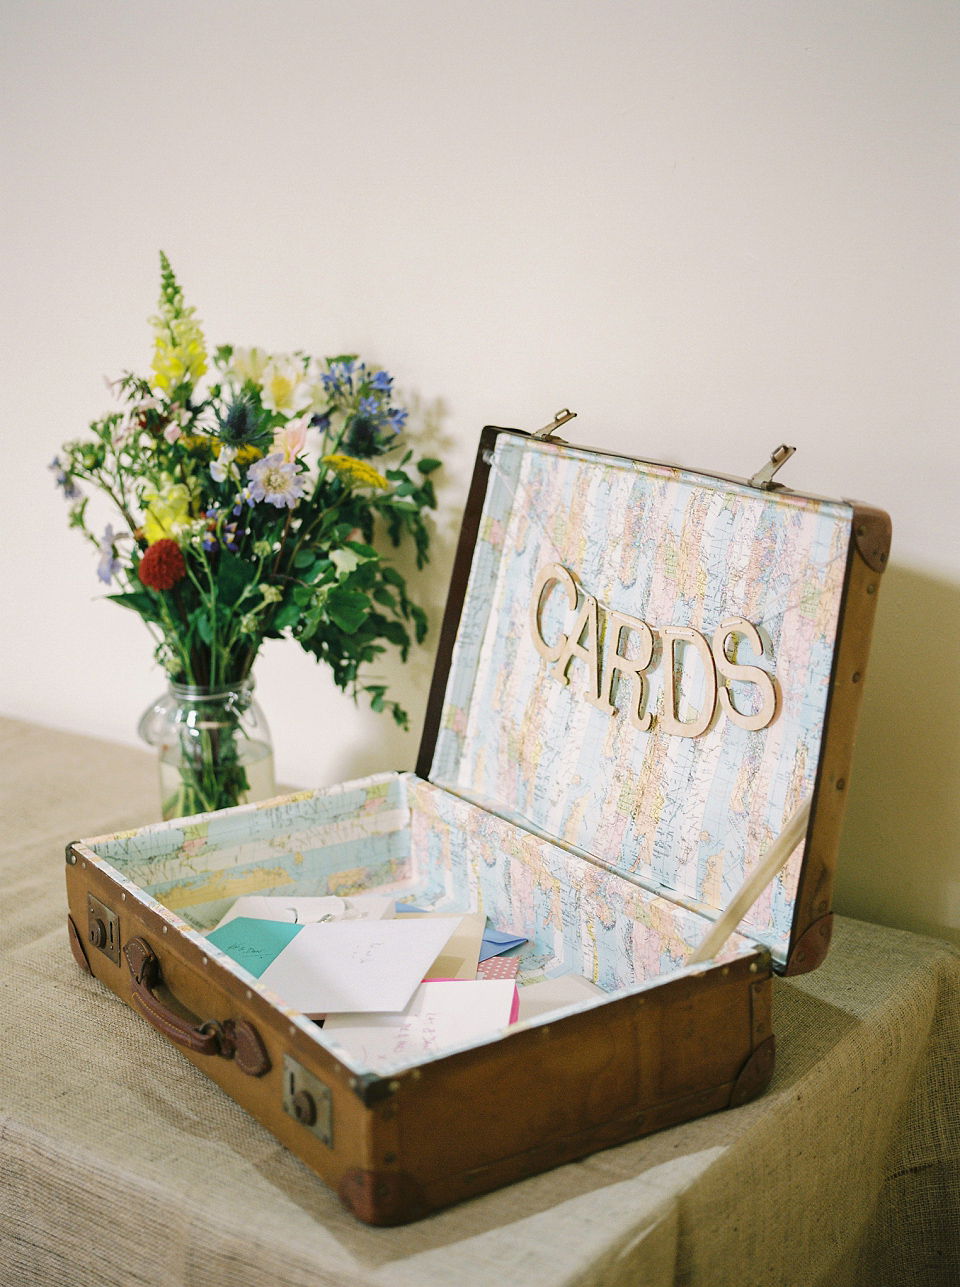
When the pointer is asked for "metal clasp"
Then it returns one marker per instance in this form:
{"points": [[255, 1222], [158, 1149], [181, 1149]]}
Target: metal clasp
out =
{"points": [[763, 478], [546, 433]]}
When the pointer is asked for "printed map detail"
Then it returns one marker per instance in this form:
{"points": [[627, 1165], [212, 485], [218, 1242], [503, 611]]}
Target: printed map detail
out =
{"points": [[691, 816]]}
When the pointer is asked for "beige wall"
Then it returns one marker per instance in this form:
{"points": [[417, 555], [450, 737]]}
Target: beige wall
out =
{"points": [[707, 227]]}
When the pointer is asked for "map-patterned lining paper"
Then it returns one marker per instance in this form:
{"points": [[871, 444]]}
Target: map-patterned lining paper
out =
{"points": [[687, 816], [428, 848]]}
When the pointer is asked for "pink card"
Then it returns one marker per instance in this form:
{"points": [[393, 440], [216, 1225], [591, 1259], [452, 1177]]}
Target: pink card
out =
{"points": [[498, 967]]}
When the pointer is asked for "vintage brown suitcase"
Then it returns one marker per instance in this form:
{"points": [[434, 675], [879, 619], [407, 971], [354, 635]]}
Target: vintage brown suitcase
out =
{"points": [[646, 692]]}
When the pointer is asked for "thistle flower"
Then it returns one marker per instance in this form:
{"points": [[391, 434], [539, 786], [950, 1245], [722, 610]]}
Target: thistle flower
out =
{"points": [[362, 438], [241, 422], [162, 566], [275, 481]]}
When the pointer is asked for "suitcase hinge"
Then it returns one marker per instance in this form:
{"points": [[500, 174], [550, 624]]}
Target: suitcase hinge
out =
{"points": [[546, 434], [763, 478]]}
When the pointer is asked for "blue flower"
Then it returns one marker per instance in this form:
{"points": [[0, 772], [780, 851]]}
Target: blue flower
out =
{"points": [[382, 381], [397, 417], [321, 422], [108, 562], [339, 377], [369, 407], [70, 489]]}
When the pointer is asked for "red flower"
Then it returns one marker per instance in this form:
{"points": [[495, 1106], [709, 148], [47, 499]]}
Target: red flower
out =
{"points": [[162, 566]]}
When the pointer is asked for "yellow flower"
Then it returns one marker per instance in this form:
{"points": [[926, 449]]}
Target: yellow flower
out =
{"points": [[179, 356], [167, 513], [244, 455], [356, 473], [199, 445]]}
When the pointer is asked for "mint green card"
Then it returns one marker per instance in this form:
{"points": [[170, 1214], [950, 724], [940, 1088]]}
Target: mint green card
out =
{"points": [[252, 943]]}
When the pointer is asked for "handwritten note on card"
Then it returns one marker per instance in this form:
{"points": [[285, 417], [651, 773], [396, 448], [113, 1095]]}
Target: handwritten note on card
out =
{"points": [[357, 965], [439, 1017], [254, 944]]}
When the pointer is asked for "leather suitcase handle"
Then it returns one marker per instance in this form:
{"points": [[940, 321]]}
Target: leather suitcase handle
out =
{"points": [[233, 1039]]}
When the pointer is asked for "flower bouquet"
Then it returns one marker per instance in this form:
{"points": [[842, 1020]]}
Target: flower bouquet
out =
{"points": [[247, 506]]}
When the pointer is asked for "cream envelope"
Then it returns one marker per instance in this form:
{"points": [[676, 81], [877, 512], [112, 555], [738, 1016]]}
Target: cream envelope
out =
{"points": [[440, 1017], [554, 994], [461, 952], [358, 965], [303, 911]]}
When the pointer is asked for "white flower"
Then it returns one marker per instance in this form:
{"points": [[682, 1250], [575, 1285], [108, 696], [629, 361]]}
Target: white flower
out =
{"points": [[223, 467], [285, 388], [247, 364]]}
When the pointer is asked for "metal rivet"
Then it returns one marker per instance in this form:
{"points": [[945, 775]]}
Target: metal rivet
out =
{"points": [[123, 898], [164, 929], [871, 589], [84, 866], [292, 1030], [393, 1087], [725, 970], [415, 1075], [545, 1032], [857, 677], [249, 994], [753, 967], [841, 783], [352, 1083], [205, 961]]}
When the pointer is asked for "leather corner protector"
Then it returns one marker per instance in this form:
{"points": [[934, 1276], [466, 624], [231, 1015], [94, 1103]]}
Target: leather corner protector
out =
{"points": [[811, 947], [76, 946], [382, 1197], [872, 533], [755, 1074], [371, 1088]]}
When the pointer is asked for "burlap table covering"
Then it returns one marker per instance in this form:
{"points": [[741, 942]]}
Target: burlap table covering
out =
{"points": [[121, 1164]]}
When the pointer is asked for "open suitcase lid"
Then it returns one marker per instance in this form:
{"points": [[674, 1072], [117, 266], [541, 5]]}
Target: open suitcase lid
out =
{"points": [[684, 792]]}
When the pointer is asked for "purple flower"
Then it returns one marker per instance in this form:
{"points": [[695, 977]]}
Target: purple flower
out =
{"points": [[70, 489], [276, 481], [108, 561]]}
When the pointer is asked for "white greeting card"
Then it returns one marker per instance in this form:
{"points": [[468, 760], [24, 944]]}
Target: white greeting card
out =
{"points": [[440, 1016], [358, 965]]}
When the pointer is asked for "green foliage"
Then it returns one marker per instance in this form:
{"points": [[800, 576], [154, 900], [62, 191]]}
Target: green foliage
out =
{"points": [[188, 464]]}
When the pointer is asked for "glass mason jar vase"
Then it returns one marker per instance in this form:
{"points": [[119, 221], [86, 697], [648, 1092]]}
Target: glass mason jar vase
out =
{"points": [[214, 748]]}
